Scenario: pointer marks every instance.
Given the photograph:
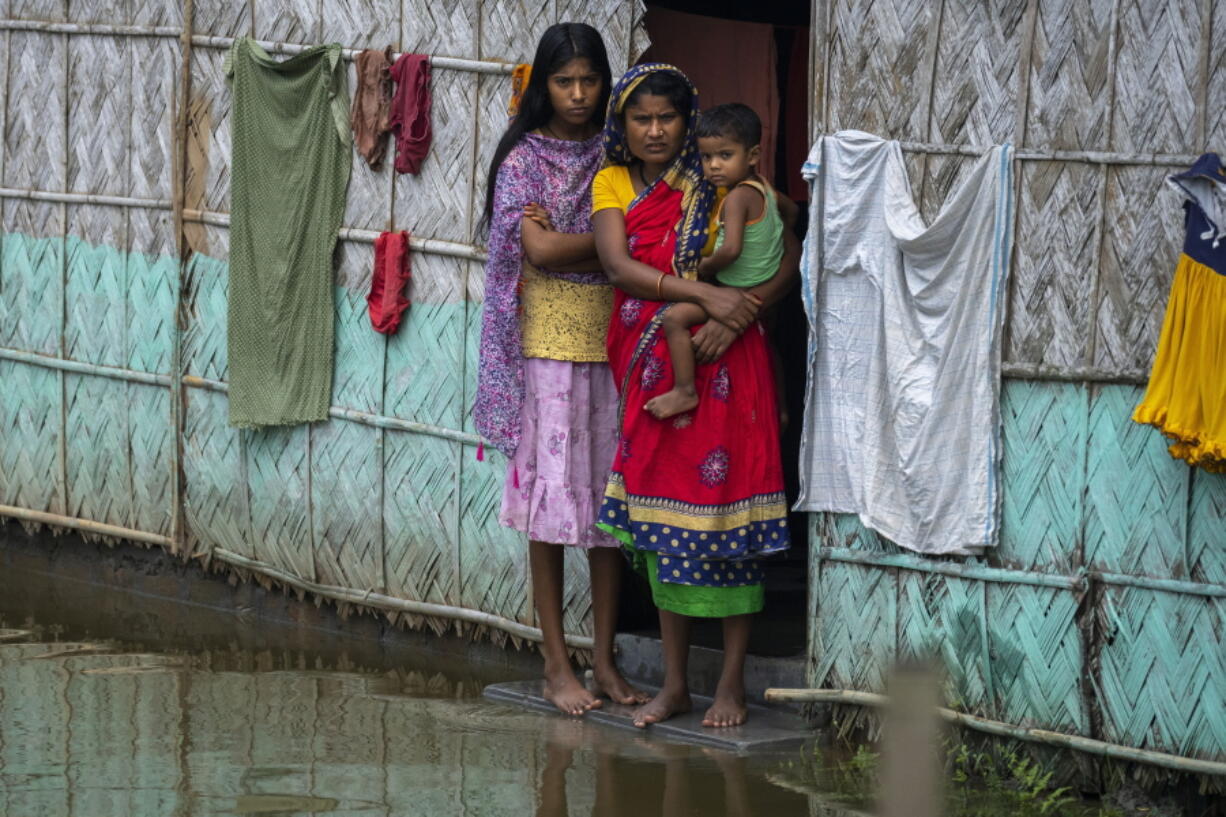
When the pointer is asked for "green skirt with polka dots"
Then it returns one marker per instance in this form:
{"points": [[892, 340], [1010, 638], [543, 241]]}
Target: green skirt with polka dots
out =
{"points": [[690, 600]]}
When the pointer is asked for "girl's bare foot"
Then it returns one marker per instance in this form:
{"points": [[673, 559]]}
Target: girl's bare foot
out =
{"points": [[662, 707], [674, 401], [608, 681], [563, 690], [727, 708]]}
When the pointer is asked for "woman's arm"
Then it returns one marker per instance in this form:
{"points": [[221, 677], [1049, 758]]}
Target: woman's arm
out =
{"points": [[548, 249], [733, 307]]}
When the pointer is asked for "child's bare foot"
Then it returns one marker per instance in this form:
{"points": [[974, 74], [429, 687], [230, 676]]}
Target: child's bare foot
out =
{"points": [[563, 690], [674, 401], [727, 708], [662, 707], [611, 683]]}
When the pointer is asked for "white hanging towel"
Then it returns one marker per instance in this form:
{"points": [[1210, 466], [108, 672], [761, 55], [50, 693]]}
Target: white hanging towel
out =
{"points": [[902, 420]]}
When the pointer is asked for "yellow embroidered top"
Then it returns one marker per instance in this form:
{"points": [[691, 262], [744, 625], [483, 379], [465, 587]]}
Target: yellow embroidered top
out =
{"points": [[563, 320]]}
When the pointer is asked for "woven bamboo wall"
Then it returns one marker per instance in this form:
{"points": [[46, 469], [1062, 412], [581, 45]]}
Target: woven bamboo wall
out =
{"points": [[113, 352], [1103, 611]]}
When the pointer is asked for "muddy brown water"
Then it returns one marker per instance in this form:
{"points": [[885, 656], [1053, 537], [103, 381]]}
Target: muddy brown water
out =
{"points": [[131, 684], [124, 692]]}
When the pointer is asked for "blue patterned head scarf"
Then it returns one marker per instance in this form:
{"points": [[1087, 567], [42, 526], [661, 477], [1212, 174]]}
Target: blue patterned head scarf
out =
{"points": [[684, 173]]}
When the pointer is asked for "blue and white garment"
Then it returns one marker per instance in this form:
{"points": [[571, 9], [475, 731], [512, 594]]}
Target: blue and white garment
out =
{"points": [[902, 409]]}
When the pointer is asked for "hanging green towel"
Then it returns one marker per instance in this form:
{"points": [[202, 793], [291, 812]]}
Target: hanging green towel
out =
{"points": [[289, 128]]}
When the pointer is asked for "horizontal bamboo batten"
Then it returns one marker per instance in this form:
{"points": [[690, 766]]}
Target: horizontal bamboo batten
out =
{"points": [[433, 246], [133, 376], [383, 602], [428, 245], [95, 29], [85, 198], [1088, 745], [290, 49], [1079, 582], [86, 526], [204, 41], [1096, 157]]}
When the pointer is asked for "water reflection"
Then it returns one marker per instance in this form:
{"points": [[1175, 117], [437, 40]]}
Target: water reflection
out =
{"points": [[684, 781], [96, 727]]}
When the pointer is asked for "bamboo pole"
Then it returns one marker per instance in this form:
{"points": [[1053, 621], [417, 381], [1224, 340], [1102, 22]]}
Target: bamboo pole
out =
{"points": [[1217, 591], [1089, 156], [906, 561], [204, 41], [1101, 748], [96, 29], [84, 198], [384, 602], [86, 525], [1091, 613], [291, 49], [378, 421], [78, 367], [434, 246], [148, 378], [178, 407], [1077, 582], [1072, 374]]}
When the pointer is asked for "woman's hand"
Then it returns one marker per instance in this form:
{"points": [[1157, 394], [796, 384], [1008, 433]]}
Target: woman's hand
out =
{"points": [[537, 213], [712, 340], [734, 308]]}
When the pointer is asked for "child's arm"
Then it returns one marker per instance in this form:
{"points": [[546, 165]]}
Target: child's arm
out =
{"points": [[738, 205]]}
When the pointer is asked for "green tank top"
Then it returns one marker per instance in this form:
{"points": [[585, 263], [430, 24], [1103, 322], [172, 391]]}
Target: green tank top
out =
{"points": [[761, 248]]}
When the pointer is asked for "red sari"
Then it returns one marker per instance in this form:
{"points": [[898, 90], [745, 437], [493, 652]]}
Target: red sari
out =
{"points": [[707, 485]]}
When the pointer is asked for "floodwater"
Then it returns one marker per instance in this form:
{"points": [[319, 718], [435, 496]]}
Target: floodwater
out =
{"points": [[115, 702], [123, 704], [94, 727]]}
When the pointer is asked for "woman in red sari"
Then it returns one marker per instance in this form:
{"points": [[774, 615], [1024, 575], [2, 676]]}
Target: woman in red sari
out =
{"points": [[695, 498]]}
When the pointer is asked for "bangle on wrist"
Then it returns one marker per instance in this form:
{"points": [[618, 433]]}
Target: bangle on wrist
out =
{"points": [[660, 286]]}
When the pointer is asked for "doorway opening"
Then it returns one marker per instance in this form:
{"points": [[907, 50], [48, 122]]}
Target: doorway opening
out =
{"points": [[758, 54]]}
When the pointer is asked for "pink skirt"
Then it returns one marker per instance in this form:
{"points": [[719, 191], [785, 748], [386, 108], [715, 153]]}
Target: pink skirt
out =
{"points": [[556, 479]]}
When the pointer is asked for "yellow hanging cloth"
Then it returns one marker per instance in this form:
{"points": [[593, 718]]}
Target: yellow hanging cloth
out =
{"points": [[1186, 395], [519, 84]]}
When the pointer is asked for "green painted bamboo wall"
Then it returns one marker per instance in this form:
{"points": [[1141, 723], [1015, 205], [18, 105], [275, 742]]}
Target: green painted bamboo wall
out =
{"points": [[1073, 623], [1103, 610], [112, 318]]}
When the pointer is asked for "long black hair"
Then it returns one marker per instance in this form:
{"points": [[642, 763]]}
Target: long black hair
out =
{"points": [[561, 43]]}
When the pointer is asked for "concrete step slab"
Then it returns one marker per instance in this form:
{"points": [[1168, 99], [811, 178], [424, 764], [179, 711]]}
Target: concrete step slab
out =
{"points": [[768, 730], [642, 657]]}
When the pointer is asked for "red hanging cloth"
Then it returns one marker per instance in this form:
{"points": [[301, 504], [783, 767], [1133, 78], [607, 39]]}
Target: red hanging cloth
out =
{"points": [[388, 297]]}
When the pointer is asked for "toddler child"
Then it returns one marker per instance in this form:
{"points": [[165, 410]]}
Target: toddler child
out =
{"points": [[748, 248]]}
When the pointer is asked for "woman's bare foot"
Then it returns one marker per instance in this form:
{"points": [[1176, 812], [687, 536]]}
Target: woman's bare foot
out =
{"points": [[727, 708], [674, 401], [662, 707], [563, 690], [611, 683]]}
